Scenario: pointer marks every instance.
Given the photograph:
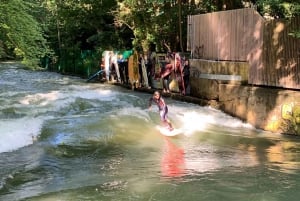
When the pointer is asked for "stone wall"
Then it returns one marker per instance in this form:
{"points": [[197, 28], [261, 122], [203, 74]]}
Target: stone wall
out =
{"points": [[271, 109], [275, 110]]}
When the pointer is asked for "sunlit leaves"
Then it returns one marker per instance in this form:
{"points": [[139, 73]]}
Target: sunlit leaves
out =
{"points": [[279, 8]]}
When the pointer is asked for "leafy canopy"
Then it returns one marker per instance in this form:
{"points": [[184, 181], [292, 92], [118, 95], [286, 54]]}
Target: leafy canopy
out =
{"points": [[21, 34]]}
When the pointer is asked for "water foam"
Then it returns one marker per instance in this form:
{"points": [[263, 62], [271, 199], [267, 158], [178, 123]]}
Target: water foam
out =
{"points": [[18, 133], [40, 98], [192, 120]]}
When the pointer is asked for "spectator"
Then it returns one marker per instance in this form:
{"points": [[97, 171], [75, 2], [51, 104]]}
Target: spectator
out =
{"points": [[166, 72], [121, 68], [150, 65], [186, 74]]}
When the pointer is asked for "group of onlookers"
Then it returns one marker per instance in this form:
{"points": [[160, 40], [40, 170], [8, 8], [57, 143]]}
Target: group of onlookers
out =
{"points": [[173, 67]]}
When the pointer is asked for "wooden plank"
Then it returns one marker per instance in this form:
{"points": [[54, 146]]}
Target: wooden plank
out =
{"points": [[237, 16], [278, 53], [272, 61], [194, 35], [209, 36], [224, 30], [214, 33], [205, 41], [233, 35], [200, 33], [258, 24], [296, 49], [200, 36], [228, 35]]}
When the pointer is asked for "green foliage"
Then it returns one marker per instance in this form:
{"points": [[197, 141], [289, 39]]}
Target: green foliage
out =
{"points": [[279, 8], [75, 26], [79, 62], [21, 34], [153, 21], [295, 34], [28, 27], [291, 124], [85, 23]]}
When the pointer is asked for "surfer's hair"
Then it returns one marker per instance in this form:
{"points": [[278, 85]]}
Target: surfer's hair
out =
{"points": [[157, 92]]}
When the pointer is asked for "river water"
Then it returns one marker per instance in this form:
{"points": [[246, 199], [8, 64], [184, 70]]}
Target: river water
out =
{"points": [[64, 139]]}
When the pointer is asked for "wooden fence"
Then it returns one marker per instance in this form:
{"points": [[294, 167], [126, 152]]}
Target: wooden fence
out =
{"points": [[243, 35]]}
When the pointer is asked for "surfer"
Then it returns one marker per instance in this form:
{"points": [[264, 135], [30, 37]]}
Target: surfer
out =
{"points": [[162, 107]]}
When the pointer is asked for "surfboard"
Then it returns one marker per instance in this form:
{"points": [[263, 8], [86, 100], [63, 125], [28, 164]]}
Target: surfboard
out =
{"points": [[166, 132], [144, 71]]}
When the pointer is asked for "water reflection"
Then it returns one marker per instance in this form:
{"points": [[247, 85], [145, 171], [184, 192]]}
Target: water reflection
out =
{"points": [[213, 150], [173, 161], [285, 156]]}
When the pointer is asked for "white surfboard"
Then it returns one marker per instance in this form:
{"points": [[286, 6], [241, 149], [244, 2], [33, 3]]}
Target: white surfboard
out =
{"points": [[165, 131], [144, 71]]}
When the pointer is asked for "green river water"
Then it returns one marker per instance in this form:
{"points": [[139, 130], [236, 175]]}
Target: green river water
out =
{"points": [[62, 139]]}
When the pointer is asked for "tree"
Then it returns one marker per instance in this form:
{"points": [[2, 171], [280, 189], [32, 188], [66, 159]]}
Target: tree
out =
{"points": [[280, 9], [87, 24], [28, 27], [21, 35], [155, 21]]}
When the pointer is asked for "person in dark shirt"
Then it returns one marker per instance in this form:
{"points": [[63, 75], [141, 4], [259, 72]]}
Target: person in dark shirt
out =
{"points": [[162, 107], [186, 74]]}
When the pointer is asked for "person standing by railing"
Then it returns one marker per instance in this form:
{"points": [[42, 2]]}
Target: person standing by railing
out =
{"points": [[166, 72]]}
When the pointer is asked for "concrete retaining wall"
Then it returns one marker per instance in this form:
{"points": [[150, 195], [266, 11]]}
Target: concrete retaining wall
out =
{"points": [[275, 110]]}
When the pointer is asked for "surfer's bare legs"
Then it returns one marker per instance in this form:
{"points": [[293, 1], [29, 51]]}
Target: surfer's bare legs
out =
{"points": [[168, 124]]}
